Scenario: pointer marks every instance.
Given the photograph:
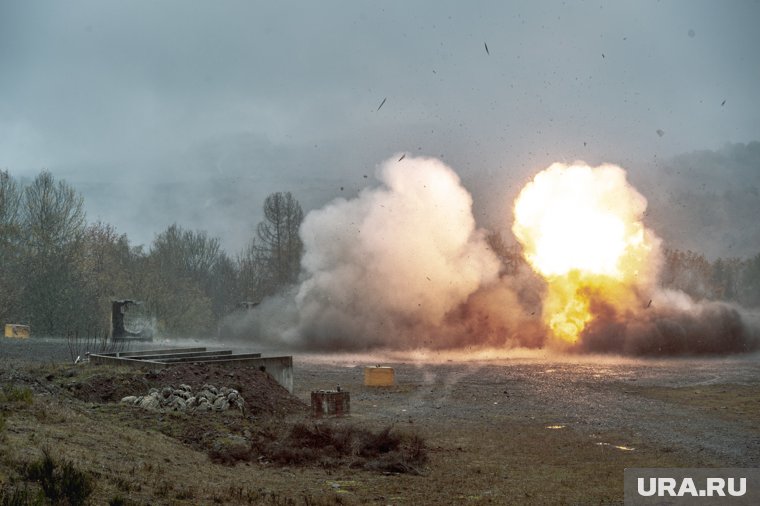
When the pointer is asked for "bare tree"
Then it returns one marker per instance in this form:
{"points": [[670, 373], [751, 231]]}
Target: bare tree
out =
{"points": [[180, 279], [278, 239], [510, 255], [10, 254], [53, 223], [52, 214]]}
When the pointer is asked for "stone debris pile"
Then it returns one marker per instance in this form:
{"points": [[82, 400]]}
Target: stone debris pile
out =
{"points": [[208, 398]]}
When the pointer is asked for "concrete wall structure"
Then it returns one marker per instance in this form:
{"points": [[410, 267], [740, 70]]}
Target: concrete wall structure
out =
{"points": [[280, 368]]}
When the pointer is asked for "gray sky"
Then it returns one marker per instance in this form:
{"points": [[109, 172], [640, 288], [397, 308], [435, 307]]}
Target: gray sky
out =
{"points": [[194, 111]]}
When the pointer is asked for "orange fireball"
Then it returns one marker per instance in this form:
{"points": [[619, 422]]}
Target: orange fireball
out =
{"points": [[580, 228]]}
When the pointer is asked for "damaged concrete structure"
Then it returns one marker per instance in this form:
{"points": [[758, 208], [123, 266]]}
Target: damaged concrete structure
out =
{"points": [[119, 323], [330, 403]]}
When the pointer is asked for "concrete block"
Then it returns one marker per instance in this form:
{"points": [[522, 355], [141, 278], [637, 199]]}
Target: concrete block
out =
{"points": [[377, 376]]}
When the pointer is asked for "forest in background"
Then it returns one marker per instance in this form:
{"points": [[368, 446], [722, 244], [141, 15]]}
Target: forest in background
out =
{"points": [[59, 273]]}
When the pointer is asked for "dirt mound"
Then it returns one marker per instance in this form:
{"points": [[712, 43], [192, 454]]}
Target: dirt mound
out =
{"points": [[263, 395]]}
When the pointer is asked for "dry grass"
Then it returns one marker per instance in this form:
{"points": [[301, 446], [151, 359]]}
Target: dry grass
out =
{"points": [[333, 444], [137, 457]]}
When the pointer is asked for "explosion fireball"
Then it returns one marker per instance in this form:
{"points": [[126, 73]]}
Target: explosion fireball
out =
{"points": [[581, 230], [403, 265]]}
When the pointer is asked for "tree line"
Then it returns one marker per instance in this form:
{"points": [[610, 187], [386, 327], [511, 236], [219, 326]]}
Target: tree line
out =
{"points": [[59, 273]]}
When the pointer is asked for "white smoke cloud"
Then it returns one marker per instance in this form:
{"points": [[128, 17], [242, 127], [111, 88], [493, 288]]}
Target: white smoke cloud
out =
{"points": [[388, 267], [403, 266]]}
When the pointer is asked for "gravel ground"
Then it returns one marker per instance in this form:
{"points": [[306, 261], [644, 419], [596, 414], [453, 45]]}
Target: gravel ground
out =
{"points": [[590, 394]]}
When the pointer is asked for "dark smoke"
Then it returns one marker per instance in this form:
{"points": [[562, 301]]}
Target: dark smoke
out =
{"points": [[674, 325]]}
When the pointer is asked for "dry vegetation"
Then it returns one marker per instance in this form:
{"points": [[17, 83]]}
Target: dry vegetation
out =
{"points": [[64, 438], [65, 441]]}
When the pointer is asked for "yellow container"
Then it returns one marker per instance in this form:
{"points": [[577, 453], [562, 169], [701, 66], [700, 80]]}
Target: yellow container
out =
{"points": [[377, 376], [16, 331]]}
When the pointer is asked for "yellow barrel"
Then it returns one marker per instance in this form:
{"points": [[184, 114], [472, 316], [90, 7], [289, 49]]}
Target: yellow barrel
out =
{"points": [[378, 376], [16, 331]]}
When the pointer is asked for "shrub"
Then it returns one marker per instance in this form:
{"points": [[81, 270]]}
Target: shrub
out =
{"points": [[333, 445], [60, 481], [16, 496], [12, 393], [117, 501]]}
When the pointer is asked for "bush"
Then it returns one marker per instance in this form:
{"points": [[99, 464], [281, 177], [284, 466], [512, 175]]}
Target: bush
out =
{"points": [[117, 501], [333, 445], [60, 481], [11, 393], [16, 496]]}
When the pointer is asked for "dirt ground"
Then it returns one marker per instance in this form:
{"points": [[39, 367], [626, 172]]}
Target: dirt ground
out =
{"points": [[523, 430]]}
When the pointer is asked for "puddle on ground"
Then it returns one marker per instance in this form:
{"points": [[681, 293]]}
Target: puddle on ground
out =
{"points": [[619, 447]]}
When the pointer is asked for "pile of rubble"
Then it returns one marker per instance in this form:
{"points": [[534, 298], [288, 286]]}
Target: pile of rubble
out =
{"points": [[208, 398]]}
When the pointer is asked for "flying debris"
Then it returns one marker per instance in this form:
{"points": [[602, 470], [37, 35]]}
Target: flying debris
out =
{"points": [[487, 51], [402, 157], [723, 103], [660, 132], [381, 104], [602, 55], [649, 304]]}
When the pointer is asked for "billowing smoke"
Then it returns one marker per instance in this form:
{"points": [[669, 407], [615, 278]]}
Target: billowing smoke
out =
{"points": [[672, 324], [404, 266], [401, 265]]}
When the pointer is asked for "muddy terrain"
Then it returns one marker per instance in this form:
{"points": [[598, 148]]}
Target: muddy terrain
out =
{"points": [[532, 429]]}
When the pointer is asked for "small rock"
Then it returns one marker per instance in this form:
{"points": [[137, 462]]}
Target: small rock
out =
{"points": [[130, 399], [149, 402], [210, 388], [221, 404]]}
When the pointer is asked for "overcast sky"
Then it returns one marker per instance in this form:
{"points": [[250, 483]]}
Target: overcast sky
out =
{"points": [[192, 112]]}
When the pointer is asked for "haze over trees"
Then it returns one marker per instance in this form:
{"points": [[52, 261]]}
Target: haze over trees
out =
{"points": [[59, 273]]}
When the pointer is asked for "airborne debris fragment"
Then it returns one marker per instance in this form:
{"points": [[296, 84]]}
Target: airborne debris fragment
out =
{"points": [[381, 104], [487, 51], [660, 132], [402, 157]]}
